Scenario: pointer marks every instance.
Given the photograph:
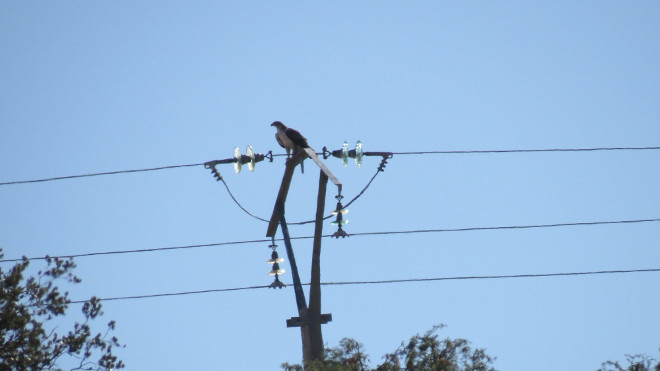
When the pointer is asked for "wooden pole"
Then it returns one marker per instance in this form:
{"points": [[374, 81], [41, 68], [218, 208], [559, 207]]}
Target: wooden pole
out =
{"points": [[316, 336], [297, 287], [284, 191], [310, 319]]}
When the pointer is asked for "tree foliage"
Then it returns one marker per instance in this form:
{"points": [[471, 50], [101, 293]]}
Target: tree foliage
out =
{"points": [[636, 362], [425, 352], [27, 342]]}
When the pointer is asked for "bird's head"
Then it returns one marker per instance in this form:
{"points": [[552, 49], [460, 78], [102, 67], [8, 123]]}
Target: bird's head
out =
{"points": [[278, 125]]}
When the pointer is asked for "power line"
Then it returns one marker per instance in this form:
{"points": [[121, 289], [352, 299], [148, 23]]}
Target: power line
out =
{"points": [[222, 179], [239, 204], [394, 153], [99, 174], [116, 252], [408, 280], [507, 227], [513, 227], [173, 294], [538, 275], [528, 150]]}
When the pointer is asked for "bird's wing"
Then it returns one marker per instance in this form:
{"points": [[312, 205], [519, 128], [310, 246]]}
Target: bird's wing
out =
{"points": [[279, 141], [296, 138]]}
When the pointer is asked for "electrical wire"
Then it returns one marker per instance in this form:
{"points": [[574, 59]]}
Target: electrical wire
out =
{"points": [[528, 150], [514, 227], [99, 174], [507, 227], [394, 153], [239, 204], [378, 171], [408, 280], [537, 275], [116, 252], [171, 294]]}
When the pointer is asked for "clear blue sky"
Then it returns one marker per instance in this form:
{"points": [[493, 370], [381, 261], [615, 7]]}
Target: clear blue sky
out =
{"points": [[100, 86]]}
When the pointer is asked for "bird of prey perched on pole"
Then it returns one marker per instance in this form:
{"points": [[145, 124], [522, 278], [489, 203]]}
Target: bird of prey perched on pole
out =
{"points": [[290, 139]]}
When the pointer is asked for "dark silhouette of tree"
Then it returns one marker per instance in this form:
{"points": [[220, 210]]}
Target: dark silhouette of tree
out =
{"points": [[636, 362], [425, 352], [27, 342]]}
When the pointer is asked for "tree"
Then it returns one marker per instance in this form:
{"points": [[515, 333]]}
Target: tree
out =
{"points": [[422, 353], [636, 362], [27, 342]]}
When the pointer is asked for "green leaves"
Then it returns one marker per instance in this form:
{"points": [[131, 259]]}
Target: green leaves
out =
{"points": [[26, 306], [422, 353], [636, 362], [428, 352]]}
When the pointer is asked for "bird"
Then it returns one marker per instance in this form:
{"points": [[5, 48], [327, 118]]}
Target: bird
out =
{"points": [[290, 139]]}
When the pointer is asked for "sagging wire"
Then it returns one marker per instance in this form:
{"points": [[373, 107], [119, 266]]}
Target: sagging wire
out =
{"points": [[218, 177], [344, 153]]}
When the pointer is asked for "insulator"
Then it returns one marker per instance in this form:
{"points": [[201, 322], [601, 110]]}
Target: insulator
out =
{"points": [[274, 258], [250, 154], [339, 209], [359, 154], [276, 270], [344, 154], [237, 160], [340, 222]]}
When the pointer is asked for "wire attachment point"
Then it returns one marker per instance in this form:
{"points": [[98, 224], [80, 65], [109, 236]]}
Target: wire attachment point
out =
{"points": [[326, 153], [277, 284], [383, 162], [340, 233], [216, 174]]}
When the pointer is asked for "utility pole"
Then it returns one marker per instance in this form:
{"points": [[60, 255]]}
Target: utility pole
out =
{"points": [[315, 283], [309, 318]]}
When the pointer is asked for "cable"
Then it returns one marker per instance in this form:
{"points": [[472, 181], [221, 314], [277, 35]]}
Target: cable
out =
{"points": [[138, 250], [408, 280], [506, 227], [394, 153], [172, 294], [351, 235], [98, 174], [239, 204], [381, 168], [378, 171], [221, 178], [529, 150], [491, 277]]}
